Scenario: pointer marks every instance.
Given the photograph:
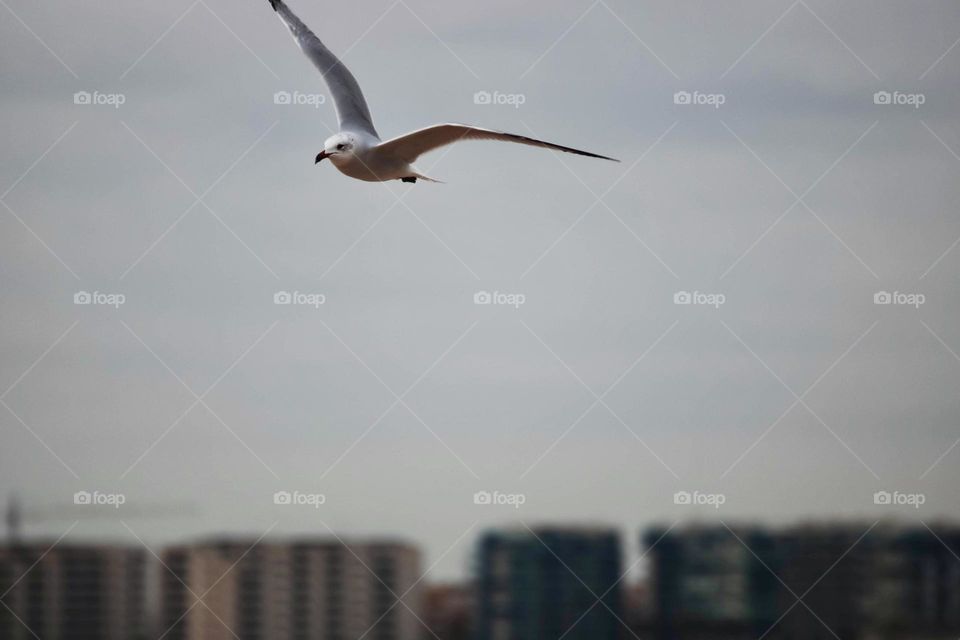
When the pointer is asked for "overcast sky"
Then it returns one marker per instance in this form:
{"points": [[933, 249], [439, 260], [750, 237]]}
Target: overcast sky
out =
{"points": [[792, 203]]}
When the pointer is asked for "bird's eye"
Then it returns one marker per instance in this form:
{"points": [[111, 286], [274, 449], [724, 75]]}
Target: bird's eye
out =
{"points": [[341, 147]]}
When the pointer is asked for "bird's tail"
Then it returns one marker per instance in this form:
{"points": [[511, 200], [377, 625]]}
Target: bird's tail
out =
{"points": [[419, 176]]}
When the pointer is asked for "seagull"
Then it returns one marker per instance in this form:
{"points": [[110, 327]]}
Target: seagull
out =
{"points": [[357, 150]]}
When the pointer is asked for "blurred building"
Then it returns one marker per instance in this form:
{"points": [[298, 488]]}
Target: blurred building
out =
{"points": [[546, 583], [895, 582], [838, 575], [917, 584], [300, 590], [713, 582], [705, 580], [71, 592], [447, 612]]}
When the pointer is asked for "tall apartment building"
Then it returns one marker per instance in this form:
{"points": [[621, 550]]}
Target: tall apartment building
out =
{"points": [[838, 592], [707, 579], [71, 592], [297, 590], [918, 586], [895, 582], [546, 584]]}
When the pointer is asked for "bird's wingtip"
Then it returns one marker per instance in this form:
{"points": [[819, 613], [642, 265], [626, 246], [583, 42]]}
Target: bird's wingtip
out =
{"points": [[600, 157]]}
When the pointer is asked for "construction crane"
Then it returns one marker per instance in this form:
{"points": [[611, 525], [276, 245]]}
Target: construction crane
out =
{"points": [[16, 515]]}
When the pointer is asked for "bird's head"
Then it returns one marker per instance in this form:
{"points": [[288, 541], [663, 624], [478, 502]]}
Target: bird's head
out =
{"points": [[336, 147]]}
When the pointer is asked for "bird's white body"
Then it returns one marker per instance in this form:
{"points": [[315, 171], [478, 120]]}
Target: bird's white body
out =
{"points": [[367, 166], [364, 161], [357, 150]]}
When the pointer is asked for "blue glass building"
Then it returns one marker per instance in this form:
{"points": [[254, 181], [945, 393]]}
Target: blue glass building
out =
{"points": [[549, 583]]}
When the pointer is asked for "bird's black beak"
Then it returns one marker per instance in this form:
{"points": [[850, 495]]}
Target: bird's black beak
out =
{"points": [[321, 156]]}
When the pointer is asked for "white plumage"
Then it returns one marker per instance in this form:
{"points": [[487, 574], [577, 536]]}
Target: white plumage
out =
{"points": [[357, 150]]}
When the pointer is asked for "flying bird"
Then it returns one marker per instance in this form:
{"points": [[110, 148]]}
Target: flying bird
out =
{"points": [[357, 150]]}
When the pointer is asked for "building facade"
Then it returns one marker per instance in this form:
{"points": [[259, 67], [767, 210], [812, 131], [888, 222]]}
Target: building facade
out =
{"points": [[708, 578], [71, 592], [893, 582], [299, 590], [549, 583]]}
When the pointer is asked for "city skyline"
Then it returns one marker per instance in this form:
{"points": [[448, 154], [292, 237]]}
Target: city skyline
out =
{"points": [[753, 317], [718, 581]]}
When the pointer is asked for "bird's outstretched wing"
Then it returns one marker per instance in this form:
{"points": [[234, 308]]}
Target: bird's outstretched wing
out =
{"points": [[351, 106], [412, 145]]}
